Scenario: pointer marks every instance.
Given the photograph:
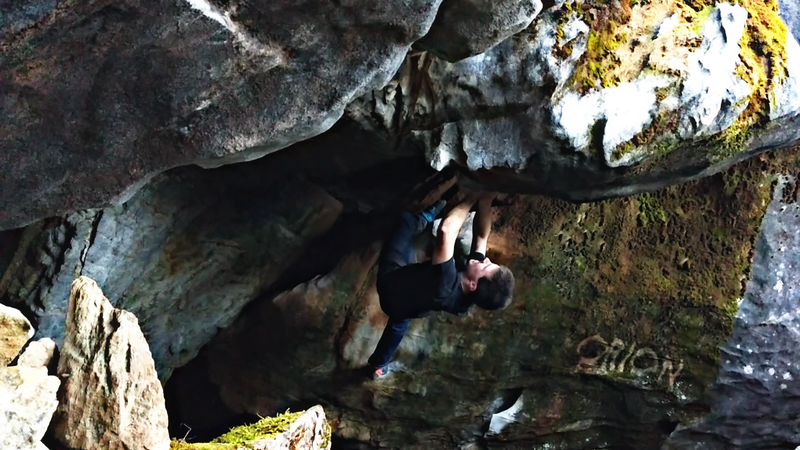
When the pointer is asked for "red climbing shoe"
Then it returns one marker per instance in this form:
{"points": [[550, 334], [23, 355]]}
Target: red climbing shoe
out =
{"points": [[380, 373]]}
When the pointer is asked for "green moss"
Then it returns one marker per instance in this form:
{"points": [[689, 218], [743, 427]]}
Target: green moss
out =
{"points": [[699, 18], [594, 70], [243, 437], [730, 141], [651, 211]]}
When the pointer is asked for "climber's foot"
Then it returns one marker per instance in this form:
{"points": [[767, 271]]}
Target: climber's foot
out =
{"points": [[381, 373]]}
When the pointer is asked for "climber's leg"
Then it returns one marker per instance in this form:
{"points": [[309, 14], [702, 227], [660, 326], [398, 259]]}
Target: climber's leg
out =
{"points": [[396, 250], [390, 341]]}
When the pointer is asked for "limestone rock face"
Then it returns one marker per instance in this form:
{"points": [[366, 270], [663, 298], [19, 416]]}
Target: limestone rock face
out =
{"points": [[15, 331], [27, 402], [175, 83], [465, 28], [554, 109], [184, 255], [40, 353], [757, 393], [111, 397], [309, 431]]}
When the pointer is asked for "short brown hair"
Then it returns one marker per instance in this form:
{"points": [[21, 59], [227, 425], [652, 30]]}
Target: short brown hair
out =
{"points": [[495, 292]]}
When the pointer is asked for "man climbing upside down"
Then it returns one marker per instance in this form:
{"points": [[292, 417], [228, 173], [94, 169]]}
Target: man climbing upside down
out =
{"points": [[408, 291]]}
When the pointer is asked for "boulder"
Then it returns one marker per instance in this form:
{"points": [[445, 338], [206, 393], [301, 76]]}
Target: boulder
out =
{"points": [[601, 99], [583, 100], [161, 85], [305, 430], [15, 331], [111, 397], [27, 402]]}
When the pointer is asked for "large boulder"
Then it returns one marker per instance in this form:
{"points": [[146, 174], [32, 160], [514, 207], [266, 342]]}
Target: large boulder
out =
{"points": [[602, 99], [591, 100], [15, 331], [304, 430], [100, 97], [111, 397], [27, 402]]}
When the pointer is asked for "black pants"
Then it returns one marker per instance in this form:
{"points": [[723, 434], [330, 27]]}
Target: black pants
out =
{"points": [[396, 253]]}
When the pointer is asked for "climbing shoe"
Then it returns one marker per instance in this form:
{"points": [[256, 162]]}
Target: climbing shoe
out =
{"points": [[433, 211], [380, 373], [383, 372]]}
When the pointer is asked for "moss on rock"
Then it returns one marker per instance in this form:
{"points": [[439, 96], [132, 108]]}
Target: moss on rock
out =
{"points": [[243, 437]]}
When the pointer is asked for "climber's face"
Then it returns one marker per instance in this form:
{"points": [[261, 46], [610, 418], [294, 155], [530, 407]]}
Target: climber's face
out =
{"points": [[479, 269]]}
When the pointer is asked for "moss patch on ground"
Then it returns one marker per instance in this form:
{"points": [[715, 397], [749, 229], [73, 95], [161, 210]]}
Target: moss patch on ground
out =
{"points": [[243, 437]]}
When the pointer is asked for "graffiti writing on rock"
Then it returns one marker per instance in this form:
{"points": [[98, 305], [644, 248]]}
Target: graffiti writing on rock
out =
{"points": [[644, 365]]}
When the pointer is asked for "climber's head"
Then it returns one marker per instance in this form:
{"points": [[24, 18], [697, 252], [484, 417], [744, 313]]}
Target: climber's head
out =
{"points": [[490, 285]]}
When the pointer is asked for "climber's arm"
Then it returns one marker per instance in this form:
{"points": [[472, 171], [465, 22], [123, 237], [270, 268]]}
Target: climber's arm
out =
{"points": [[482, 225], [450, 227]]}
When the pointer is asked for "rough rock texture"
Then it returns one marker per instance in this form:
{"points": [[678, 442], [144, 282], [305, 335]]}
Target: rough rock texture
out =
{"points": [[757, 395], [40, 353], [612, 341], [465, 28], [99, 97], [584, 105], [15, 331], [790, 11], [184, 255], [111, 397], [310, 431], [27, 402]]}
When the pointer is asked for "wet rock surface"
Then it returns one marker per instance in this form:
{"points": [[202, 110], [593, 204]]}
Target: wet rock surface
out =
{"points": [[757, 395]]}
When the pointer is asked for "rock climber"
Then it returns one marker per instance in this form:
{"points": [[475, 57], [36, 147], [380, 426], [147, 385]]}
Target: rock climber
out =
{"points": [[408, 291]]}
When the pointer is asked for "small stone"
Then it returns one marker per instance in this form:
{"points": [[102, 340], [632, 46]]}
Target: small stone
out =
{"points": [[38, 354], [28, 401], [15, 331]]}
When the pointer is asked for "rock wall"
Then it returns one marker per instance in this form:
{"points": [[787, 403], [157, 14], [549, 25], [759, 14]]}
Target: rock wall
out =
{"points": [[756, 393], [613, 338], [185, 255]]}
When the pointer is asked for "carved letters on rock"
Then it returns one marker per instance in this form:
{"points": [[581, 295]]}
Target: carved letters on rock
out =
{"points": [[644, 365]]}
